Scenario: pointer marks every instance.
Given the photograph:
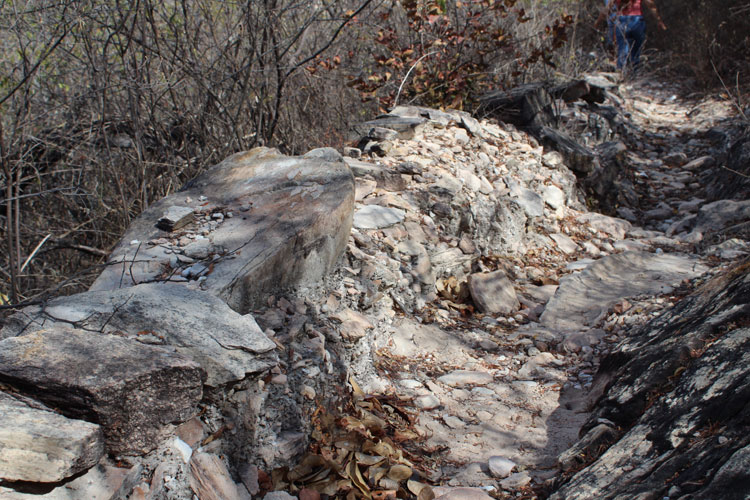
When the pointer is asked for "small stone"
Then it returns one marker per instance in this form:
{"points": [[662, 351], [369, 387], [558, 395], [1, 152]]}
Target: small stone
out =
{"points": [[410, 384], [377, 217], [516, 481], [493, 293], [249, 477], [501, 467], [183, 449], [176, 217], [564, 243], [352, 152], [427, 402], [308, 392], [553, 196]]}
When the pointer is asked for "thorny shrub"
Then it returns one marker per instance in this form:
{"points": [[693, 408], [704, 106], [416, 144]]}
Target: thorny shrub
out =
{"points": [[445, 53], [107, 106]]}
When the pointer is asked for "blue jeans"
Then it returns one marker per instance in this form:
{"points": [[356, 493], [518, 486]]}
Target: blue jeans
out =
{"points": [[630, 32]]}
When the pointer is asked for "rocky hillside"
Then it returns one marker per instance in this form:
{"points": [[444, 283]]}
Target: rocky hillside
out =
{"points": [[434, 314]]}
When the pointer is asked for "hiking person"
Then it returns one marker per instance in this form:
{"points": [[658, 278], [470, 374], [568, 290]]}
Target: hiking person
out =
{"points": [[630, 28]]}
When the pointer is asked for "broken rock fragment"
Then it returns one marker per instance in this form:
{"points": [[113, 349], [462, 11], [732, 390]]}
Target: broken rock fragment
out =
{"points": [[175, 217], [493, 293], [41, 446], [132, 390], [227, 345]]}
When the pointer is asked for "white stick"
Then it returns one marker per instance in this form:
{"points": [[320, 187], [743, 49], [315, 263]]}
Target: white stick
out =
{"points": [[34, 252]]}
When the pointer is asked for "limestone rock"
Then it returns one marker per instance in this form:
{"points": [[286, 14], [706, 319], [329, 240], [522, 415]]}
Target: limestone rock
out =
{"points": [[293, 232], [38, 445], [386, 178], [616, 228], [101, 482], [564, 242], [406, 127], [461, 378], [354, 325], [228, 346], [584, 297], [531, 202], [175, 218], [553, 196], [377, 217], [501, 467], [130, 389], [493, 293]]}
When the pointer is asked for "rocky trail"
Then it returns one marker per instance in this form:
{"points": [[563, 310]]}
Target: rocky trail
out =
{"points": [[443, 318]]}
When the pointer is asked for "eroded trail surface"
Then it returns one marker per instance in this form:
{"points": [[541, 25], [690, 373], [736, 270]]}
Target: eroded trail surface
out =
{"points": [[481, 293], [486, 332]]}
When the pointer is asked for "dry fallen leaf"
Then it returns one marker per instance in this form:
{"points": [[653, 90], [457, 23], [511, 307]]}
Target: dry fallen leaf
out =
{"points": [[399, 472], [426, 493]]}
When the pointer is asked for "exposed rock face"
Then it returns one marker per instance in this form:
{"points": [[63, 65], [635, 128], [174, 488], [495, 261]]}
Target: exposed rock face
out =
{"points": [[42, 446], [130, 389], [527, 105], [678, 389], [610, 279], [228, 346], [734, 180], [255, 251]]}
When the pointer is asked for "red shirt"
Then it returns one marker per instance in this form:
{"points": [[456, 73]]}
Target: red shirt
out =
{"points": [[629, 8]]}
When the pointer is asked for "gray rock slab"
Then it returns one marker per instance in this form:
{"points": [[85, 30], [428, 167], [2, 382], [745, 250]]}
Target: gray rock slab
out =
{"points": [[616, 228], [582, 298], [460, 378], [377, 217], [531, 202], [175, 217], [673, 393], [720, 214], [228, 346], [564, 243], [296, 228], [102, 482], [133, 391], [493, 293], [386, 178], [427, 402], [406, 126], [42, 446]]}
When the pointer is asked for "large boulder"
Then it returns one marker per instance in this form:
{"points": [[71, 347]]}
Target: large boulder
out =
{"points": [[198, 325], [677, 391], [133, 391], [39, 445], [271, 222]]}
